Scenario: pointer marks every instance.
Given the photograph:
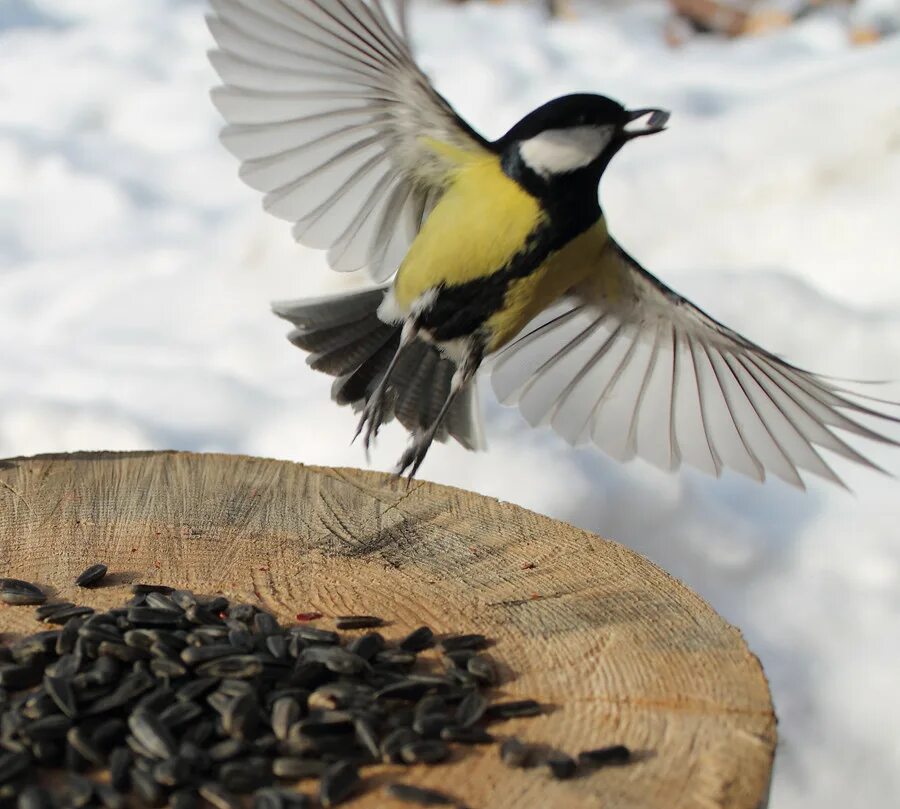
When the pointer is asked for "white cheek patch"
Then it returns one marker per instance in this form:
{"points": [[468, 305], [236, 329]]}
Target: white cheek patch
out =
{"points": [[558, 151]]}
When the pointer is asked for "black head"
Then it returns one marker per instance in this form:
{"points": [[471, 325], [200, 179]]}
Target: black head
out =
{"points": [[574, 135]]}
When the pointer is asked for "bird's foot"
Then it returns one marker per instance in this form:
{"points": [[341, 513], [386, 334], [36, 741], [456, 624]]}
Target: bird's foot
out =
{"points": [[370, 422], [414, 455]]}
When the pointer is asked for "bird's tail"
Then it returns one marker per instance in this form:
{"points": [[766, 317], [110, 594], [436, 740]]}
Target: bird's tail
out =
{"points": [[346, 339]]}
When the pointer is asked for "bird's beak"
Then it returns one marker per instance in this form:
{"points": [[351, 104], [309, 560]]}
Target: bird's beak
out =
{"points": [[645, 122]]}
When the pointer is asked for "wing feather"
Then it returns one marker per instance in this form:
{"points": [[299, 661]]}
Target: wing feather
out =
{"points": [[643, 372], [332, 120]]}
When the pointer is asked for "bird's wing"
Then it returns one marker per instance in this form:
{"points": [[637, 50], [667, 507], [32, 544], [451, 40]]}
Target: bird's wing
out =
{"points": [[630, 365], [333, 120]]}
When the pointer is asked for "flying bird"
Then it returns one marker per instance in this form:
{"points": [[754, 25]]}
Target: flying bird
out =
{"points": [[496, 249]]}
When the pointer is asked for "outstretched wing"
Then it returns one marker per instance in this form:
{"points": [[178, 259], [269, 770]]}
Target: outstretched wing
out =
{"points": [[333, 120], [630, 365]]}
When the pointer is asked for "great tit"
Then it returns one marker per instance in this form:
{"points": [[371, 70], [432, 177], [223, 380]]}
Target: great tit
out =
{"points": [[486, 248]]}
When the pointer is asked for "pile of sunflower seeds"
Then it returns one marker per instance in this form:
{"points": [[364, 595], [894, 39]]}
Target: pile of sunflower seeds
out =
{"points": [[183, 697]]}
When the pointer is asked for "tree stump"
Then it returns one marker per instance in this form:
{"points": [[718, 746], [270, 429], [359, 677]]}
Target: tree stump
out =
{"points": [[621, 651]]}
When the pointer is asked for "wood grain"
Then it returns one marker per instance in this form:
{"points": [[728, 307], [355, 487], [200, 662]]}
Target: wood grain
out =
{"points": [[621, 651]]}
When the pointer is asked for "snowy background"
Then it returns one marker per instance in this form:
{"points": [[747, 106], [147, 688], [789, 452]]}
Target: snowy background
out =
{"points": [[136, 271]]}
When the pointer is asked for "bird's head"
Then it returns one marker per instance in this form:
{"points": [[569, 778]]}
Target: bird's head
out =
{"points": [[576, 135]]}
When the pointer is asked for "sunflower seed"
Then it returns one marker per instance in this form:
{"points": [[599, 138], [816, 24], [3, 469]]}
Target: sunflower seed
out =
{"points": [[339, 782], [241, 717], [510, 710], [146, 789], [65, 614], [429, 726], [120, 769], [144, 589], [35, 798], [471, 709], [20, 593], [562, 766], [314, 635], [466, 735], [453, 643], [109, 797], [79, 740], [367, 646], [183, 799], [418, 795], [172, 772], [92, 575], [12, 765], [79, 791], [417, 640], [616, 754], [345, 622], [150, 731], [242, 666], [482, 669], [425, 752], [295, 769], [515, 753], [219, 797], [285, 712]]}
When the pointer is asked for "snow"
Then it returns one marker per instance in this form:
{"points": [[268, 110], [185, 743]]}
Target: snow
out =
{"points": [[135, 275]]}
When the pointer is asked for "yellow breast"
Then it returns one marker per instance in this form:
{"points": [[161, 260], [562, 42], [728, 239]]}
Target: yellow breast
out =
{"points": [[480, 223], [529, 296]]}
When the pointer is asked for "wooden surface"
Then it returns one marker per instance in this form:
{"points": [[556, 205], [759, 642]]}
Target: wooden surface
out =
{"points": [[623, 652]]}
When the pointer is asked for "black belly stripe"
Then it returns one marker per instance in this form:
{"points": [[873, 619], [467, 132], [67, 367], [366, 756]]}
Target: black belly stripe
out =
{"points": [[460, 310]]}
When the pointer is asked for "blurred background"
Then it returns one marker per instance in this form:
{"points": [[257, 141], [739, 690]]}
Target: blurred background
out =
{"points": [[136, 272]]}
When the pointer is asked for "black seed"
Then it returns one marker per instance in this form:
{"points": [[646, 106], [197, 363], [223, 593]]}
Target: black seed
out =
{"points": [[219, 797], [339, 782], [408, 689], [471, 709], [48, 728], [127, 654], [241, 717], [367, 737], [16, 677], [617, 754], [172, 772], [193, 655], [453, 643], [92, 575], [65, 614], [242, 666], [482, 669], [418, 640], [265, 624], [562, 766], [294, 769], [12, 765], [196, 688], [313, 635], [285, 712], [334, 726], [466, 735], [143, 589], [396, 659], [109, 734], [167, 668], [20, 593], [358, 622], [161, 601], [65, 643], [335, 659], [367, 646], [120, 769], [515, 753], [151, 616], [227, 750], [510, 710], [150, 731], [429, 726], [424, 752], [180, 713], [156, 700], [418, 795], [277, 646], [110, 798], [79, 791], [80, 741], [183, 799], [64, 668], [241, 612], [146, 788], [35, 798]]}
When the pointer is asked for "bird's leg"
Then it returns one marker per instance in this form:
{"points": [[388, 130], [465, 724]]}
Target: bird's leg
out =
{"points": [[373, 411], [418, 448]]}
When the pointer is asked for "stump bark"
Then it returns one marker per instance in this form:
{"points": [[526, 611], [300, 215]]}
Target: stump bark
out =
{"points": [[622, 652]]}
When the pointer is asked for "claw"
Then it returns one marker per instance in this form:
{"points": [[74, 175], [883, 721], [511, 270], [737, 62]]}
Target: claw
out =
{"points": [[370, 422], [413, 456]]}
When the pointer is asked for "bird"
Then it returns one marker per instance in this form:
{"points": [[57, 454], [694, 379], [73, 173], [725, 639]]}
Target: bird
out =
{"points": [[494, 253]]}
